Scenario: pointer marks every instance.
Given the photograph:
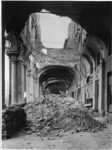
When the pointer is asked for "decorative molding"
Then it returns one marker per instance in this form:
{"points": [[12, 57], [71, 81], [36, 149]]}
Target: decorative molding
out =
{"points": [[13, 58], [13, 40]]}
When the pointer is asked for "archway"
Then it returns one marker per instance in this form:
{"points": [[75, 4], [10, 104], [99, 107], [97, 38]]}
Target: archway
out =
{"points": [[56, 79]]}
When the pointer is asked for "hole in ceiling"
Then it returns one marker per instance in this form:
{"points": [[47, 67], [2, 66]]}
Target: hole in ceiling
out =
{"points": [[59, 49], [54, 29]]}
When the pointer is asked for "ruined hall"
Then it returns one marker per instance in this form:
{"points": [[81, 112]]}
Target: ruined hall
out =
{"points": [[81, 68], [56, 67]]}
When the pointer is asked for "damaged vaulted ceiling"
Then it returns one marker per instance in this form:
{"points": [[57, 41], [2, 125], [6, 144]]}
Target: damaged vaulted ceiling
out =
{"points": [[94, 17]]}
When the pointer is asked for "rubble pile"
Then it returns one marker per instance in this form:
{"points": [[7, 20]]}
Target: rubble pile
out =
{"points": [[13, 118], [59, 113]]}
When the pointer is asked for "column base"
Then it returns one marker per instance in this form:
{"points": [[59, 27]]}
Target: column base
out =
{"points": [[3, 106]]}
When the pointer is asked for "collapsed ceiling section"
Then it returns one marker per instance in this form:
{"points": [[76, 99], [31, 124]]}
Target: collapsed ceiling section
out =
{"points": [[51, 33], [54, 79], [55, 64]]}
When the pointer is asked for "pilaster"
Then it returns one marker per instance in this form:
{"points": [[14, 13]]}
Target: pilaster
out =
{"points": [[83, 91], [101, 89], [29, 84], [25, 83], [38, 89], [34, 92], [20, 81], [31, 87], [94, 100], [14, 80], [3, 71]]}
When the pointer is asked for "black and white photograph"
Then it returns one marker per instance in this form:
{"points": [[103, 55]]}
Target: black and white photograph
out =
{"points": [[56, 75]]}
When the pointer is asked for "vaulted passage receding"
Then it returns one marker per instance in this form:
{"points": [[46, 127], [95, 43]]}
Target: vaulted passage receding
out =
{"points": [[56, 79]]}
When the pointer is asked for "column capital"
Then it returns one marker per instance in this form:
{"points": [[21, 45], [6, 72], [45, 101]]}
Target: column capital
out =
{"points": [[12, 50], [13, 58]]}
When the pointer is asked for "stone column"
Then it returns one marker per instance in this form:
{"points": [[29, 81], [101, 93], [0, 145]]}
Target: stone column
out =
{"points": [[20, 81], [3, 71], [83, 94], [25, 83], [27, 86], [9, 82], [83, 90], [13, 80], [31, 87], [94, 100], [38, 88], [101, 89], [29, 82], [36, 95]]}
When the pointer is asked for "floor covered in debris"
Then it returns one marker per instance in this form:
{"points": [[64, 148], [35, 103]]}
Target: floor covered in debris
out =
{"points": [[55, 122], [82, 140]]}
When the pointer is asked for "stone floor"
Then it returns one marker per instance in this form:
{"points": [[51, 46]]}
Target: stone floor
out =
{"points": [[81, 141]]}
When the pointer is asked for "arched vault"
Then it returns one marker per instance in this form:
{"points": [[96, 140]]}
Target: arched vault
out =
{"points": [[56, 76], [95, 45]]}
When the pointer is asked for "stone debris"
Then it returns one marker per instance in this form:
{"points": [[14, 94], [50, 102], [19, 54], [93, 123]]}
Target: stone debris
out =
{"points": [[13, 118], [55, 114]]}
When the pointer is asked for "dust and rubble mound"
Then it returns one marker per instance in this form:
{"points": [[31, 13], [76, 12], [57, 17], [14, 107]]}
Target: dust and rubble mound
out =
{"points": [[58, 114]]}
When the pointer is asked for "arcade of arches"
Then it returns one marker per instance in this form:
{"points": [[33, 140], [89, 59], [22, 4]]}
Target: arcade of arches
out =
{"points": [[81, 69]]}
